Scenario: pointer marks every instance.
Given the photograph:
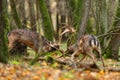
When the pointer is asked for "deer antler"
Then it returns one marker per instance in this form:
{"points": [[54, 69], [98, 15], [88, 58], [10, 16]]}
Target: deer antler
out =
{"points": [[68, 29]]}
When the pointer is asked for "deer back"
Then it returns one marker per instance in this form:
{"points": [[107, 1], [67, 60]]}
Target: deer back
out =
{"points": [[88, 42]]}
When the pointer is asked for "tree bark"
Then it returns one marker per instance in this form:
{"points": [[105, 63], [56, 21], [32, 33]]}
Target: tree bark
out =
{"points": [[3, 46], [47, 23], [84, 20], [112, 8], [114, 46], [22, 13], [32, 15], [15, 14], [115, 40]]}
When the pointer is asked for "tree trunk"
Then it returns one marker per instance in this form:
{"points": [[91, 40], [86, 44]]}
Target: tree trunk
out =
{"points": [[32, 15], [117, 20], [3, 46], [75, 17], [76, 9], [115, 40], [101, 20], [85, 18], [112, 8], [47, 23], [15, 14], [22, 13], [114, 46], [38, 17], [101, 16]]}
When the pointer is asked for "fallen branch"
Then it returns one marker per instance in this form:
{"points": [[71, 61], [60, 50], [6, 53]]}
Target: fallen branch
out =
{"points": [[44, 58], [79, 65], [82, 66]]}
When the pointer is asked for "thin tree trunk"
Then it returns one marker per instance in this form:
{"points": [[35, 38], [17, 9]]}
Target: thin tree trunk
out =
{"points": [[101, 16], [38, 16], [22, 13], [76, 12], [101, 20], [117, 20], [85, 18], [115, 40], [3, 46], [15, 14], [47, 23], [114, 46], [112, 7], [32, 15]]}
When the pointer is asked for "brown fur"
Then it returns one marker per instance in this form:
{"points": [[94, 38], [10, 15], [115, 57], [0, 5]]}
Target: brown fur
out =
{"points": [[83, 47], [22, 38], [26, 37]]}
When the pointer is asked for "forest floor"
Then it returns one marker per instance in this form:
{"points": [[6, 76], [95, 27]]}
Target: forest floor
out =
{"points": [[44, 70]]}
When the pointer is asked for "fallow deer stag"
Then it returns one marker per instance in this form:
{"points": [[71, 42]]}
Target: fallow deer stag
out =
{"points": [[23, 37], [19, 39], [85, 45]]}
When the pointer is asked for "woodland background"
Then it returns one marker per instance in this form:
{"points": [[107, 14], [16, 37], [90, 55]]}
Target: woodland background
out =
{"points": [[98, 17]]}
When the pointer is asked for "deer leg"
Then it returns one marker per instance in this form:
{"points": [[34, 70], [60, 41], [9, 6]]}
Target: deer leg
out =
{"points": [[102, 60], [99, 52], [90, 54], [82, 58], [72, 57]]}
